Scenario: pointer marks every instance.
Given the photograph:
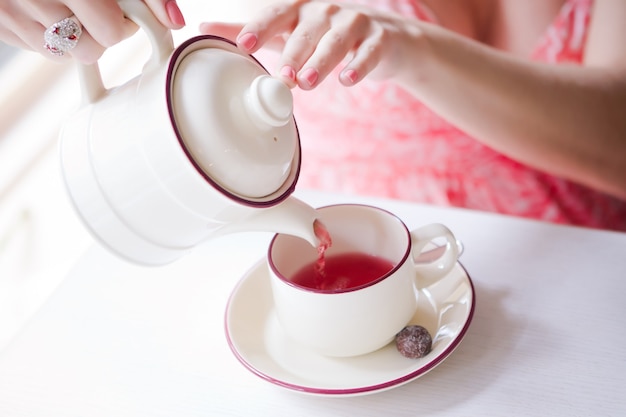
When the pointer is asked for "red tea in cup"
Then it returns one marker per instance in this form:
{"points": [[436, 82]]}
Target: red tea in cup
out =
{"points": [[325, 242], [366, 291], [342, 271]]}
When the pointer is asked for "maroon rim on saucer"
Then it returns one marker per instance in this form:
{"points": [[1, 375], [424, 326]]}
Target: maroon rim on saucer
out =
{"points": [[356, 390]]}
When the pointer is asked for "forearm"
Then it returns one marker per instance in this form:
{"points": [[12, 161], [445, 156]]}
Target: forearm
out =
{"points": [[566, 120]]}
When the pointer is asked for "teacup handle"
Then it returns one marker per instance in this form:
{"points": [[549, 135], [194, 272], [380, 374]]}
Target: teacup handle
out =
{"points": [[160, 38], [432, 271]]}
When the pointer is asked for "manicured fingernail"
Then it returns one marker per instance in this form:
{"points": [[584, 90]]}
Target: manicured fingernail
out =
{"points": [[174, 13], [310, 76], [351, 76], [288, 72], [247, 40]]}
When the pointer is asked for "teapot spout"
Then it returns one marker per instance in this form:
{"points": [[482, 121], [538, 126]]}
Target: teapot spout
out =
{"points": [[291, 217]]}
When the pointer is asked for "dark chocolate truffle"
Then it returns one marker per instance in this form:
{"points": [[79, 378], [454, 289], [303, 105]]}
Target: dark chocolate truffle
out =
{"points": [[414, 342]]}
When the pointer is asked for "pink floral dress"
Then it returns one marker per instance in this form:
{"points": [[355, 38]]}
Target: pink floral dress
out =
{"points": [[376, 139]]}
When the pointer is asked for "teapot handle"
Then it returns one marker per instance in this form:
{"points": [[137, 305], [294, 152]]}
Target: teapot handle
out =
{"points": [[160, 38]]}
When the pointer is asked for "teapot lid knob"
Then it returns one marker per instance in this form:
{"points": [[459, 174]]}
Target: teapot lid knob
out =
{"points": [[270, 101], [234, 120]]}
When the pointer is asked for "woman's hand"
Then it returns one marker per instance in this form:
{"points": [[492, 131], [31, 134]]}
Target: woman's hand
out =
{"points": [[315, 37], [23, 23], [566, 120]]}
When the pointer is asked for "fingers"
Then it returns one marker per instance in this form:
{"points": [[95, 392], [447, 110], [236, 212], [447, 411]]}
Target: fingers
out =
{"points": [[10, 39], [318, 37], [271, 22], [17, 28], [103, 24], [20, 31], [301, 63], [367, 57], [23, 23], [345, 31], [103, 20], [106, 24]]}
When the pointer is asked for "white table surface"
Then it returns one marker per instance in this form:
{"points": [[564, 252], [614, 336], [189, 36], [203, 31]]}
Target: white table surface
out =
{"points": [[548, 336]]}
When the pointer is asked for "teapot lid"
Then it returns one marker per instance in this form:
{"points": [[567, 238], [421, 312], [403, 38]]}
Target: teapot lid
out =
{"points": [[234, 120]]}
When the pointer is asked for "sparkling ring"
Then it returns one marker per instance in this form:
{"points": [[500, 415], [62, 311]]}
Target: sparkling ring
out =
{"points": [[62, 36]]}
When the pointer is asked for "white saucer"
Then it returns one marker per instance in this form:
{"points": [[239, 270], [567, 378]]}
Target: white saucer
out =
{"points": [[257, 340]]}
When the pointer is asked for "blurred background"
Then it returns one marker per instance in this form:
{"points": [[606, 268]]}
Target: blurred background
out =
{"points": [[40, 236]]}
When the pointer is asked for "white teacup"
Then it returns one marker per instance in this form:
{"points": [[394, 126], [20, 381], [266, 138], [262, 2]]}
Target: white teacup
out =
{"points": [[355, 316]]}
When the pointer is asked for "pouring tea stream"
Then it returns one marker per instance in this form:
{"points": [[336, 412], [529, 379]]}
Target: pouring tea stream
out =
{"points": [[201, 143]]}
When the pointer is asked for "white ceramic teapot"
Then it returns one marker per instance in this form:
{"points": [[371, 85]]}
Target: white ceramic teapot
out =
{"points": [[201, 143]]}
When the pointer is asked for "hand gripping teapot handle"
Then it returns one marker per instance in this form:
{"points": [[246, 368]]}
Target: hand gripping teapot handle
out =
{"points": [[160, 38]]}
